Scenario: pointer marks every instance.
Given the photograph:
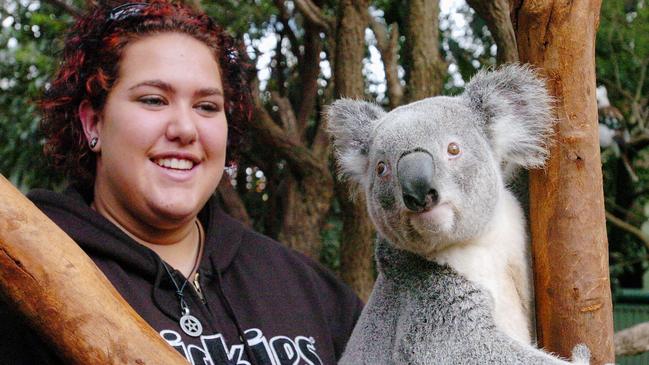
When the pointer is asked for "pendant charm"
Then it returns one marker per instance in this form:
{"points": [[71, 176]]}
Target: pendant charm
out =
{"points": [[191, 325]]}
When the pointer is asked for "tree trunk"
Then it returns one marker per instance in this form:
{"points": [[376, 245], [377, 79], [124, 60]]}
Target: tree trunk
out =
{"points": [[573, 298], [306, 206], [357, 238], [427, 69], [64, 296], [231, 201]]}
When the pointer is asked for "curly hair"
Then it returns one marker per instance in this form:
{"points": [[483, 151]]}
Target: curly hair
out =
{"points": [[90, 67]]}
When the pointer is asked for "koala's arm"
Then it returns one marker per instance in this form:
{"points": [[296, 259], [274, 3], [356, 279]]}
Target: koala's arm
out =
{"points": [[374, 333], [519, 270], [375, 336]]}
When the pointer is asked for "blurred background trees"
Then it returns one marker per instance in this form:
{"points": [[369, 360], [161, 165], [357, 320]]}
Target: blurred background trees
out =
{"points": [[309, 52]]}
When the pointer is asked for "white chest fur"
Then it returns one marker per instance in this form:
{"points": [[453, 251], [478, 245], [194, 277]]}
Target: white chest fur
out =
{"points": [[498, 261]]}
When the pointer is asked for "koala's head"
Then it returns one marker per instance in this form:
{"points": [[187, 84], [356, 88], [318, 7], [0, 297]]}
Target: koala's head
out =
{"points": [[432, 171]]}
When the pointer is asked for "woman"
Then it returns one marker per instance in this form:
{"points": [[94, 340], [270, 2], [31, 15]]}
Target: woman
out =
{"points": [[138, 116]]}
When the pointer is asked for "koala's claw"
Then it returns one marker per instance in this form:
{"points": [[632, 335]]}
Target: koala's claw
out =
{"points": [[581, 354]]}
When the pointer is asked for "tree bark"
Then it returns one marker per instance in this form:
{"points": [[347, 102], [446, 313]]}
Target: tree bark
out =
{"points": [[427, 68], [497, 15], [64, 296], [232, 203], [309, 188], [388, 46], [573, 298], [357, 237]]}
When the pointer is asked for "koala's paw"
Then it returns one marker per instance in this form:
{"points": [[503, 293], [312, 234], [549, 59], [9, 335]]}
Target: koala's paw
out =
{"points": [[581, 355]]}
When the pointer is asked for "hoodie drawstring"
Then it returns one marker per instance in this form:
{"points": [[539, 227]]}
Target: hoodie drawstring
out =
{"points": [[233, 317]]}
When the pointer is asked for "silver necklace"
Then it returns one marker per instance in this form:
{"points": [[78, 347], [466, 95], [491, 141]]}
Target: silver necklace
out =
{"points": [[188, 323]]}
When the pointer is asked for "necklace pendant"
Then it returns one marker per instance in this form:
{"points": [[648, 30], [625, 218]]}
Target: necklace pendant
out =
{"points": [[191, 325]]}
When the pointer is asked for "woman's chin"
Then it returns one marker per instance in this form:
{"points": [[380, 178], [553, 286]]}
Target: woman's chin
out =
{"points": [[176, 208]]}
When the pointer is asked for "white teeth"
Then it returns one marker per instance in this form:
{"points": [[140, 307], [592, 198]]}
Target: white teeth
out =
{"points": [[174, 163]]}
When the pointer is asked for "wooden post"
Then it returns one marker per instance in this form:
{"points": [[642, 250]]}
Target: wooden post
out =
{"points": [[64, 296], [570, 249]]}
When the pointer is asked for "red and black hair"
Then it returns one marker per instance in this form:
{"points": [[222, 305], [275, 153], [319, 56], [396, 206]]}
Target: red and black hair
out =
{"points": [[90, 67]]}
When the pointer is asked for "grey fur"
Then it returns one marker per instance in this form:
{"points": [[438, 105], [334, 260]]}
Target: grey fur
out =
{"points": [[423, 311]]}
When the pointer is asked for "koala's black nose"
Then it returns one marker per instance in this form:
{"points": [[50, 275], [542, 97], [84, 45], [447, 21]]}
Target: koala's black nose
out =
{"points": [[416, 176]]}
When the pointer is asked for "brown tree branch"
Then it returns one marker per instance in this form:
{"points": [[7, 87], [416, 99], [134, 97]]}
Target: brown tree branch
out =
{"points": [[315, 15], [300, 158], [388, 47], [286, 115], [496, 14], [64, 297], [637, 232]]}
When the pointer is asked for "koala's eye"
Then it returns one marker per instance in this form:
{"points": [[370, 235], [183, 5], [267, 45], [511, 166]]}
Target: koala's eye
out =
{"points": [[382, 169], [453, 149]]}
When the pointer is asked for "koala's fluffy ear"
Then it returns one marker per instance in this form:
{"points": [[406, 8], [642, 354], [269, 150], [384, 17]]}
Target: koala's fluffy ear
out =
{"points": [[516, 110], [350, 122]]}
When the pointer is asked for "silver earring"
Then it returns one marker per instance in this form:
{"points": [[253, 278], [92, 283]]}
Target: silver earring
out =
{"points": [[93, 142]]}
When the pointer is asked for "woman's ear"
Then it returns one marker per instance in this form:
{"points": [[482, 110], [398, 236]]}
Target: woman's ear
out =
{"points": [[91, 122]]}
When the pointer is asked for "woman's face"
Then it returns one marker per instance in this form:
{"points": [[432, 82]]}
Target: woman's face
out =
{"points": [[162, 133]]}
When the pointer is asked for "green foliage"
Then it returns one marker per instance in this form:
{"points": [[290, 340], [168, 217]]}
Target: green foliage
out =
{"points": [[622, 57], [27, 46], [623, 54], [242, 17]]}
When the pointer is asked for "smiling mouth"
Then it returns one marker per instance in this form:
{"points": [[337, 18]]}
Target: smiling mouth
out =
{"points": [[175, 163]]}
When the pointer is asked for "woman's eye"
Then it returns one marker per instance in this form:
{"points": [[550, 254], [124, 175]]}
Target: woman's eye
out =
{"points": [[382, 169], [453, 149], [209, 107], [152, 100]]}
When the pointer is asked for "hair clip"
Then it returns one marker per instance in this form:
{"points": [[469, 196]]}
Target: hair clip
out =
{"points": [[125, 10]]}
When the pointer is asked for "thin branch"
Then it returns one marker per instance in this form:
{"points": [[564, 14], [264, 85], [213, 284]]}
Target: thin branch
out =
{"points": [[628, 228], [315, 15], [387, 46], [300, 158], [61, 4], [639, 142], [496, 14], [286, 115], [288, 31], [617, 87], [610, 203], [643, 74]]}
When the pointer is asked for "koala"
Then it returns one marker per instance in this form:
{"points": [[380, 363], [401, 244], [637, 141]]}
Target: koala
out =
{"points": [[454, 280]]}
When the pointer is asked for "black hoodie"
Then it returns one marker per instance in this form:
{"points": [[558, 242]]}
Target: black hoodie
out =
{"points": [[290, 309]]}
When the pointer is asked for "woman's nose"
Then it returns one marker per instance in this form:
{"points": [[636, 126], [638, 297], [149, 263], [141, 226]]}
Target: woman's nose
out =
{"points": [[182, 126]]}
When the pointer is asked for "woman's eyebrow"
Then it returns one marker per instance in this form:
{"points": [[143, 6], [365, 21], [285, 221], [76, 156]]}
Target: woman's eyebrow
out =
{"points": [[154, 83], [209, 91]]}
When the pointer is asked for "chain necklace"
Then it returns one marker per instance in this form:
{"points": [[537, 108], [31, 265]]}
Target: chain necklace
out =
{"points": [[188, 323]]}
